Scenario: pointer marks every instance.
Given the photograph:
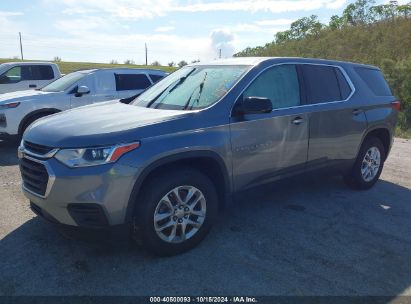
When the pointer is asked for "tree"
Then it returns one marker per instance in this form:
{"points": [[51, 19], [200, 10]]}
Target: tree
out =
{"points": [[113, 61], [171, 64], [57, 59], [195, 61], [336, 22], [156, 63], [358, 12], [182, 63], [129, 61]]}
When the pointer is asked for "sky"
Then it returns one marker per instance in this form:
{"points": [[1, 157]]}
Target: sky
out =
{"points": [[174, 30]]}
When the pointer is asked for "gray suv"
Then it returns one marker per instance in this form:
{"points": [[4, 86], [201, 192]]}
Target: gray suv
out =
{"points": [[166, 163]]}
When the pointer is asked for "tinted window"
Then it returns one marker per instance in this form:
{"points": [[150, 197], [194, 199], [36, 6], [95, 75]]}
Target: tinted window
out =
{"points": [[375, 81], [132, 82], [41, 72], [279, 84], [344, 86], [321, 83], [156, 78]]}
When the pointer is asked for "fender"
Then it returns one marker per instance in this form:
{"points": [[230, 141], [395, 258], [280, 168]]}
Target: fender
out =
{"points": [[386, 127], [46, 111], [171, 159]]}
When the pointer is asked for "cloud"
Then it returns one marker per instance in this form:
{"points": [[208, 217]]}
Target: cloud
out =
{"points": [[80, 25], [222, 40], [164, 29], [274, 22], [146, 9]]}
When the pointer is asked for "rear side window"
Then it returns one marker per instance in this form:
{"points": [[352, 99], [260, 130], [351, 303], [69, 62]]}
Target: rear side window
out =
{"points": [[345, 88], [321, 83], [132, 82], [375, 81], [37, 72], [279, 84], [156, 78]]}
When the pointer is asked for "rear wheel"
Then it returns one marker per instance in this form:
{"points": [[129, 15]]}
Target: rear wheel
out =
{"points": [[175, 212], [368, 165]]}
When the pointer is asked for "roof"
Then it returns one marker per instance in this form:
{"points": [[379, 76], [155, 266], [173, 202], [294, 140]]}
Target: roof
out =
{"points": [[252, 61], [156, 71], [29, 63]]}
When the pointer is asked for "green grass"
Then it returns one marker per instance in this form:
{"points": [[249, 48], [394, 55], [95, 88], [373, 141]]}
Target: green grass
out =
{"points": [[403, 133], [68, 67]]}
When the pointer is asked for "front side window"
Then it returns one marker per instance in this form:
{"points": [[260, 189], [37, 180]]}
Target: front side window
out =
{"points": [[104, 82], [126, 82], [279, 84], [11, 76], [191, 88], [64, 82]]}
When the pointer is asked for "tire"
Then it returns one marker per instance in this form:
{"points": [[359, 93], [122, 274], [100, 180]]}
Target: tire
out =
{"points": [[152, 202], [356, 179], [30, 120]]}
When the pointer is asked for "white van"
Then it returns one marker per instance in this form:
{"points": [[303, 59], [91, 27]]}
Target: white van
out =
{"points": [[20, 76]]}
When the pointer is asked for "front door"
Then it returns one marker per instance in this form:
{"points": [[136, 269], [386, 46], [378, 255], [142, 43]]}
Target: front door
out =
{"points": [[270, 145]]}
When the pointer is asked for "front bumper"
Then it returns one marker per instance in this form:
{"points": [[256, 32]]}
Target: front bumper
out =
{"points": [[87, 197]]}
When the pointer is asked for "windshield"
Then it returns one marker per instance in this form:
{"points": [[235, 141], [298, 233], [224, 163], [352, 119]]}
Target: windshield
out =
{"points": [[191, 88], [64, 82]]}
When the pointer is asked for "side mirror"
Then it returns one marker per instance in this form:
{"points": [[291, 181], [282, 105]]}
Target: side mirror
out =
{"points": [[255, 105], [81, 90]]}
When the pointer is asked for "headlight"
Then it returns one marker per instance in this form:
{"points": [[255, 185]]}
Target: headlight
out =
{"points": [[85, 157], [9, 105]]}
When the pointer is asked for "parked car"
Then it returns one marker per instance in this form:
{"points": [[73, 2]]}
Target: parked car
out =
{"points": [[21, 76], [18, 110], [167, 162]]}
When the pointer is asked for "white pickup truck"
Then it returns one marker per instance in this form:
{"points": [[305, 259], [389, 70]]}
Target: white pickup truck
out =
{"points": [[21, 76]]}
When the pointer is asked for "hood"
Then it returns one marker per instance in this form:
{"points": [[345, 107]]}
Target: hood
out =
{"points": [[22, 95], [100, 124]]}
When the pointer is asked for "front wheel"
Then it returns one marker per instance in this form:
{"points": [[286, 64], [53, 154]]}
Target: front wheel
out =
{"points": [[368, 165], [175, 211]]}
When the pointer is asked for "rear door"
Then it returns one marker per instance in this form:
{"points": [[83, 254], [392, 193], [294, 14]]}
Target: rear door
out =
{"points": [[128, 84], [336, 121], [271, 145]]}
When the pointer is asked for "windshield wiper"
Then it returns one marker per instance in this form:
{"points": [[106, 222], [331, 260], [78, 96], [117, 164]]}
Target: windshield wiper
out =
{"points": [[173, 87], [201, 86]]}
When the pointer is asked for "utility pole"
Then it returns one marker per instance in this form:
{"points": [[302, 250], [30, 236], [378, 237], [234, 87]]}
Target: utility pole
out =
{"points": [[219, 54], [146, 53], [21, 47]]}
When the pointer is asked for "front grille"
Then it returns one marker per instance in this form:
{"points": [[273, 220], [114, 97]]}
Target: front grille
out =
{"points": [[36, 149], [34, 175]]}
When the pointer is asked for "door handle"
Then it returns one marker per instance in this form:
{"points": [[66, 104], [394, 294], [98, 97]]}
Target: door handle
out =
{"points": [[32, 86], [357, 112], [297, 121], [109, 96]]}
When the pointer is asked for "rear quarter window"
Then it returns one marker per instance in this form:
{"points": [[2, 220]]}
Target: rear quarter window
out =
{"points": [[132, 82], [156, 78], [374, 80]]}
